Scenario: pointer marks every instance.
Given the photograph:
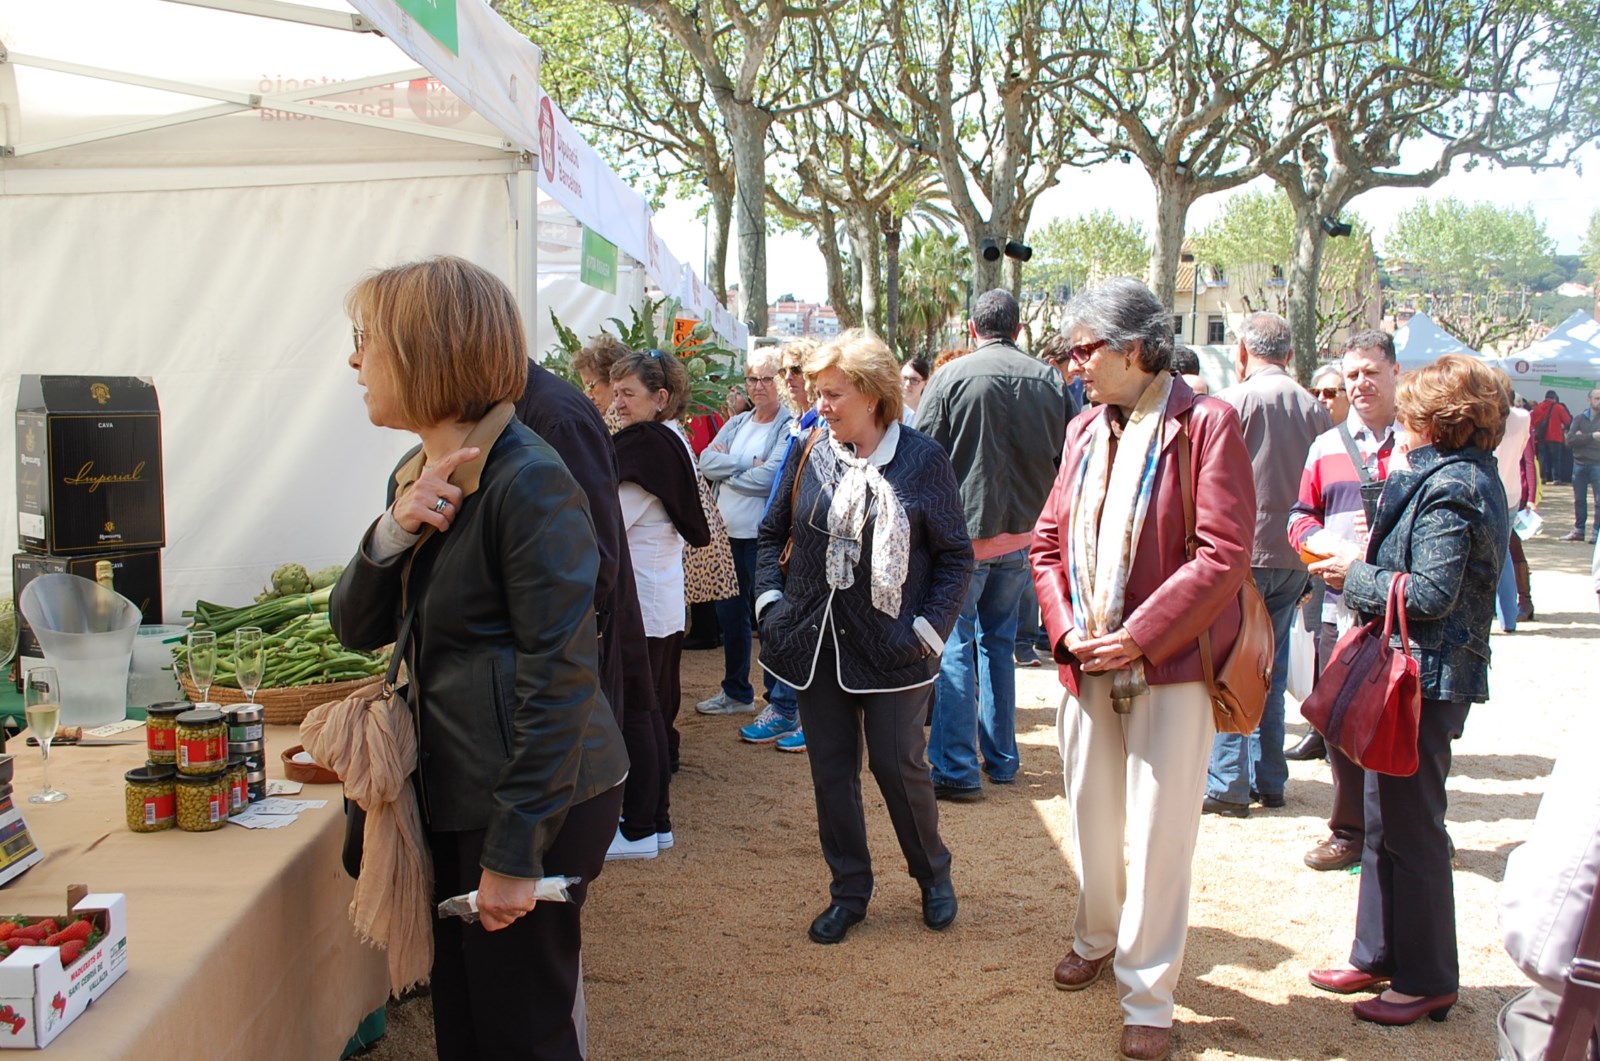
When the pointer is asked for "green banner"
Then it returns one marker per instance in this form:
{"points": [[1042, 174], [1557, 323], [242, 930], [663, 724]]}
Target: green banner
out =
{"points": [[1571, 382], [438, 17], [599, 267]]}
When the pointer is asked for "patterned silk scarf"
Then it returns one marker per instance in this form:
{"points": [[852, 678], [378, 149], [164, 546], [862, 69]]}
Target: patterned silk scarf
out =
{"points": [[861, 487], [1113, 498]]}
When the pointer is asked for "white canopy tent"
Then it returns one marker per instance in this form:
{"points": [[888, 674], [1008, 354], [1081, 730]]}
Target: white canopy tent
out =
{"points": [[187, 190], [1566, 361], [1420, 342]]}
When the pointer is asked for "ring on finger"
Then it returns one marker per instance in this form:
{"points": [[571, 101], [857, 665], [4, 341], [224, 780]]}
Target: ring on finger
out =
{"points": [[440, 505]]}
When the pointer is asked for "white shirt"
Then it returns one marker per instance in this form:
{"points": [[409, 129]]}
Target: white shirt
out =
{"points": [[657, 551]]}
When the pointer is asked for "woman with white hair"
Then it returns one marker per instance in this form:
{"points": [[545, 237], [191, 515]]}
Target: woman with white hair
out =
{"points": [[1327, 386], [742, 463]]}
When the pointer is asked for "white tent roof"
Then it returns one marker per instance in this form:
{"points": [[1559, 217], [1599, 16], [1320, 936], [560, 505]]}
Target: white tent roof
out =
{"points": [[1421, 342], [1566, 361]]}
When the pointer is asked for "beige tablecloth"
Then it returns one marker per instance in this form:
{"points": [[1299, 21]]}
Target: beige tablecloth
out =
{"points": [[239, 945]]}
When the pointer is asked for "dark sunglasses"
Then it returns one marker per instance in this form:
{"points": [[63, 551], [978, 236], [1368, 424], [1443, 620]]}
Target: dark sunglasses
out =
{"points": [[1081, 353], [1328, 392], [790, 371]]}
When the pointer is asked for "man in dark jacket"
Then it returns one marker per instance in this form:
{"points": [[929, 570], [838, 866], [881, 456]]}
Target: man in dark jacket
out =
{"points": [[1550, 422], [1583, 438], [561, 415], [1002, 416]]}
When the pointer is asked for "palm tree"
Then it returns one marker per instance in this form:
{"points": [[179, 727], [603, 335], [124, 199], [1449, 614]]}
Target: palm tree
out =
{"points": [[933, 267]]}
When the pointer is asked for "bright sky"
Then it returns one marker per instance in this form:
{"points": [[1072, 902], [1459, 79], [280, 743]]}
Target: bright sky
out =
{"points": [[1564, 199]]}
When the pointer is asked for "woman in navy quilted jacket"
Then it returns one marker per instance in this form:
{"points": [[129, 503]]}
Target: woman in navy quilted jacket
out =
{"points": [[855, 619]]}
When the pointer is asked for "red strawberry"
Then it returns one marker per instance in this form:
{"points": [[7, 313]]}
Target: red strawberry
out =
{"points": [[70, 951], [78, 930], [32, 935], [50, 926], [6, 928]]}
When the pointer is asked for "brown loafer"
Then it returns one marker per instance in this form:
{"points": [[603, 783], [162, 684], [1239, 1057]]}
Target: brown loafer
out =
{"points": [[1141, 1042], [1334, 853], [1075, 972]]}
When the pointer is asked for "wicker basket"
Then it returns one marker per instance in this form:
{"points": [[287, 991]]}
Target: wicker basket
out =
{"points": [[287, 706]]}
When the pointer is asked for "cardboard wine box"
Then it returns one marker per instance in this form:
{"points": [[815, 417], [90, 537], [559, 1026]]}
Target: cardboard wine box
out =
{"points": [[136, 576], [89, 465]]}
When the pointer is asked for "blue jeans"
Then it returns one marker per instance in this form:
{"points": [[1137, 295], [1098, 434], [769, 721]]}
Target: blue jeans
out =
{"points": [[1029, 631], [975, 697], [1505, 594], [1585, 477], [1240, 764], [734, 616]]}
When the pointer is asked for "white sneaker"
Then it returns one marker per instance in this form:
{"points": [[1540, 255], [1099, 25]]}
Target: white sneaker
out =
{"points": [[664, 841], [622, 848], [723, 704]]}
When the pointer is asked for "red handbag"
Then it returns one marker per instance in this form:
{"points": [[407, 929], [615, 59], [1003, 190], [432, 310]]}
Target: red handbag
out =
{"points": [[1368, 700]]}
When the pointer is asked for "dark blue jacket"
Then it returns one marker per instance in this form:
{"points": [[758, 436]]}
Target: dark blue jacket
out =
{"points": [[876, 652], [1444, 522]]}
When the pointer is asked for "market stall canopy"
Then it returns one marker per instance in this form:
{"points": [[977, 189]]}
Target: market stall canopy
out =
{"points": [[187, 191], [1566, 361], [1420, 342]]}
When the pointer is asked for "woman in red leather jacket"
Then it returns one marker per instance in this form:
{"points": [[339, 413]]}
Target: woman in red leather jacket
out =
{"points": [[1124, 606]]}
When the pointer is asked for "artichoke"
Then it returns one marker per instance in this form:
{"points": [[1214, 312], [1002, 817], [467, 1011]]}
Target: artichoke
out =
{"points": [[291, 579], [327, 576], [267, 594]]}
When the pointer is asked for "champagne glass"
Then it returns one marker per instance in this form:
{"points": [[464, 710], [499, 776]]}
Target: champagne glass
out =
{"points": [[41, 700], [249, 659], [202, 661]]}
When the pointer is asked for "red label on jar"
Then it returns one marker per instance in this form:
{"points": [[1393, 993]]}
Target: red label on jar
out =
{"points": [[161, 740], [158, 809], [217, 806], [200, 752], [237, 793]]}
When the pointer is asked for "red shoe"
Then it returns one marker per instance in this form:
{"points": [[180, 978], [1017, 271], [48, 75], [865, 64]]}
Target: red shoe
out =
{"points": [[1376, 1010], [1346, 981]]}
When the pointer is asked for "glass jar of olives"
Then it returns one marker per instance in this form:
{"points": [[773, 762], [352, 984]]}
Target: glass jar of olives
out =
{"points": [[161, 730], [150, 799], [202, 802], [202, 742]]}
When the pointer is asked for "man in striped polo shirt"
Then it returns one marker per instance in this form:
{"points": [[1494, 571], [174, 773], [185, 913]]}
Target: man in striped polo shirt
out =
{"points": [[1330, 510]]}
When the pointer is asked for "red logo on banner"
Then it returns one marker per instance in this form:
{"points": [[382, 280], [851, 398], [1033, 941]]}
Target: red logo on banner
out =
{"points": [[1522, 367], [547, 137]]}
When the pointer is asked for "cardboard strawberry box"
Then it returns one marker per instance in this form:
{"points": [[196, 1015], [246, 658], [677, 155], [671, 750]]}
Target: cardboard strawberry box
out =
{"points": [[39, 997]]}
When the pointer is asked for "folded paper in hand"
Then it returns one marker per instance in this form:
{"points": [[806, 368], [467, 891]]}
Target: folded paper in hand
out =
{"points": [[545, 890]]}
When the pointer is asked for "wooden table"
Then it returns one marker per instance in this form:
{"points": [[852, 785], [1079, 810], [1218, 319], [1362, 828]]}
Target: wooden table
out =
{"points": [[239, 942]]}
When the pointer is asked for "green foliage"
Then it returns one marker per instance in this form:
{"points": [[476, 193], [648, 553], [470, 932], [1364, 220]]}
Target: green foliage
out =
{"points": [[1591, 248], [713, 369], [1476, 248], [1072, 252], [933, 270]]}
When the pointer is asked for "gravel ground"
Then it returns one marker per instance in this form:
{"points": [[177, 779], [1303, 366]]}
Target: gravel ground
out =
{"points": [[702, 953]]}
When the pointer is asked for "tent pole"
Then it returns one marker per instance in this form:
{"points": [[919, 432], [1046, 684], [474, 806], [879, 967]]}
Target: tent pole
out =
{"points": [[310, 16], [525, 248]]}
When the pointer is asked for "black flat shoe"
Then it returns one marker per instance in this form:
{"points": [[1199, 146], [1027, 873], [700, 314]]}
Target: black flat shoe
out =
{"points": [[938, 905], [1311, 747], [832, 924]]}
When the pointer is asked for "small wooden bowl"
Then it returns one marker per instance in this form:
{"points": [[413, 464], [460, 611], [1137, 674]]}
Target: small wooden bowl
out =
{"points": [[315, 774]]}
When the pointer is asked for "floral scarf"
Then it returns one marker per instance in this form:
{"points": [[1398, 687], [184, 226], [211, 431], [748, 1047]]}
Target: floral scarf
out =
{"points": [[862, 488]]}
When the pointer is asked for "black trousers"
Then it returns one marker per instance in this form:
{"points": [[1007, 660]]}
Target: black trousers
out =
{"points": [[897, 753], [666, 660], [646, 803], [1349, 817], [508, 994], [1406, 913]]}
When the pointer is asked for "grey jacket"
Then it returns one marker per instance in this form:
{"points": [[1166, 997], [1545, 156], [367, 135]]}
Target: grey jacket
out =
{"points": [[1444, 522], [1280, 419], [1002, 417], [1580, 436]]}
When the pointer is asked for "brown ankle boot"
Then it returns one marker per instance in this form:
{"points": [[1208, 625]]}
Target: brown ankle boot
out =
{"points": [[1524, 593]]}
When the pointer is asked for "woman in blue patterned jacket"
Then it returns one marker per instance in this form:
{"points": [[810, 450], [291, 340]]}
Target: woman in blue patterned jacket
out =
{"points": [[854, 618], [1442, 521]]}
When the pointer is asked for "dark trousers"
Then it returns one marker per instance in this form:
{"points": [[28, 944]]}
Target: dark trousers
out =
{"points": [[666, 659], [897, 747], [646, 794], [509, 994], [1349, 817], [1406, 913], [1549, 452], [736, 616]]}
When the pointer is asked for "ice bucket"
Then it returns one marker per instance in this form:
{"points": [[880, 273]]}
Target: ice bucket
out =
{"points": [[87, 634]]}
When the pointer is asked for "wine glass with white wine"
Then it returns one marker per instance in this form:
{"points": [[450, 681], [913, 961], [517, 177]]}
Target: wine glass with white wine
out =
{"points": [[202, 661], [249, 659], [41, 701]]}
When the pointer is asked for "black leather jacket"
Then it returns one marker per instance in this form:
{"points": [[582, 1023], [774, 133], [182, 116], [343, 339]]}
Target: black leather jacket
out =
{"points": [[514, 729], [1443, 521]]}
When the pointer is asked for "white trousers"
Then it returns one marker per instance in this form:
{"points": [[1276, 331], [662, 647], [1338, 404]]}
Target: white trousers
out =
{"points": [[1136, 780]]}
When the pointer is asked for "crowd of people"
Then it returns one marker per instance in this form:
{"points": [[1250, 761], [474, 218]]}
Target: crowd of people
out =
{"points": [[898, 537]]}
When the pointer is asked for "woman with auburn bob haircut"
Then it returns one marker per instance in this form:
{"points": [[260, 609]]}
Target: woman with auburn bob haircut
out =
{"points": [[1443, 521], [488, 544]]}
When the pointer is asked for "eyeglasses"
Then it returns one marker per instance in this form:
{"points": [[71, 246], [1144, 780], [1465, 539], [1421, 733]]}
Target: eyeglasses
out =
{"points": [[358, 335], [1080, 353], [1328, 393], [763, 380], [790, 371]]}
